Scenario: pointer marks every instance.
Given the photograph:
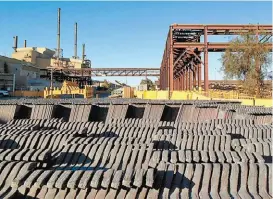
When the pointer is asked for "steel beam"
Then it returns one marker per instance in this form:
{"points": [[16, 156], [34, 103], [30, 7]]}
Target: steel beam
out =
{"points": [[211, 46], [179, 57], [182, 82], [221, 27], [190, 79], [194, 76], [186, 79], [199, 75], [206, 57], [171, 62]]}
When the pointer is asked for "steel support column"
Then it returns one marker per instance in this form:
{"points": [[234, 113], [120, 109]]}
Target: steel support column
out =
{"points": [[171, 60], [194, 77], [179, 85], [199, 75], [186, 79], [206, 67], [165, 77], [183, 81], [190, 79]]}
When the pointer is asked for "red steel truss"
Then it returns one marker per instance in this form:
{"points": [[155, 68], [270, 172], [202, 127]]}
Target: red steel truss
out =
{"points": [[182, 66], [88, 72]]}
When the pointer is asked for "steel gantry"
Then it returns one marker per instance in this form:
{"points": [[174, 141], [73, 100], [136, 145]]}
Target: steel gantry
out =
{"points": [[118, 72], [83, 75], [88, 72], [182, 66]]}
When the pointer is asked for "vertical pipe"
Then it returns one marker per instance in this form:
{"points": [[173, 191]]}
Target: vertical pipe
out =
{"points": [[58, 34], [75, 40], [25, 43], [15, 45], [51, 83], [206, 68], [83, 52], [13, 83]]}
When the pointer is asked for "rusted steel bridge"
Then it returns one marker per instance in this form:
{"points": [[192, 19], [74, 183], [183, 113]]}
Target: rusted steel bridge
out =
{"points": [[181, 66]]}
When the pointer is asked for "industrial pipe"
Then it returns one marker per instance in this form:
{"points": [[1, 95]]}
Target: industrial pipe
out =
{"points": [[58, 33], [83, 52], [15, 45], [75, 40], [25, 43]]}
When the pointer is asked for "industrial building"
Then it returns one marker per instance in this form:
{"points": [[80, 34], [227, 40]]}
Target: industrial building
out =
{"points": [[43, 57], [16, 72], [22, 71]]}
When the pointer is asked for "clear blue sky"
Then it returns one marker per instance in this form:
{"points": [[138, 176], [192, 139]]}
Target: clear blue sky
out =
{"points": [[120, 34]]}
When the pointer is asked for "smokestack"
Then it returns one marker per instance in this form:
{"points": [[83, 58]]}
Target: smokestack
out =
{"points": [[15, 45], [75, 40], [58, 33], [83, 52], [25, 43]]}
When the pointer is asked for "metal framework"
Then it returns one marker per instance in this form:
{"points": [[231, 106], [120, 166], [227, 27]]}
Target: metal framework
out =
{"points": [[88, 72], [181, 66]]}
